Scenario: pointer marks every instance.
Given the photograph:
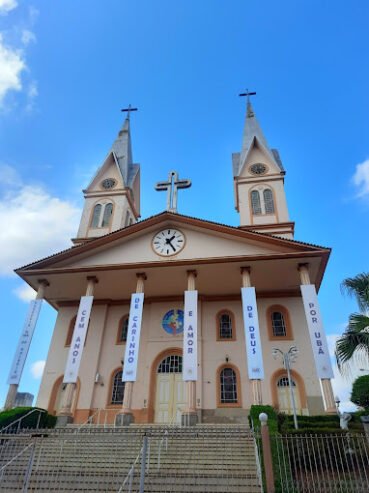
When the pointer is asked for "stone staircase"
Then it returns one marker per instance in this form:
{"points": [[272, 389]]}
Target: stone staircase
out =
{"points": [[205, 458]]}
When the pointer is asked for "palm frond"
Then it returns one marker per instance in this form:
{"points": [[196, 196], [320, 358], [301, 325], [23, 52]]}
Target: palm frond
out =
{"points": [[352, 347], [358, 287]]}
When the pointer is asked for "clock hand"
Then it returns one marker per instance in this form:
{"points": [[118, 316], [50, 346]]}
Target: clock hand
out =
{"points": [[170, 243]]}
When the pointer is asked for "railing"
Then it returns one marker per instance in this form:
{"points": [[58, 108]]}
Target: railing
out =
{"points": [[28, 471], [145, 450], [337, 463], [89, 420], [19, 420]]}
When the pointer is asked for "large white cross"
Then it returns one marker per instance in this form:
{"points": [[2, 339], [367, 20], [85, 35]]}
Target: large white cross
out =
{"points": [[172, 186]]}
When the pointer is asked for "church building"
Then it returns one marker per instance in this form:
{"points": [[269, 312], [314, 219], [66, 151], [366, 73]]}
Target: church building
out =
{"points": [[175, 319]]}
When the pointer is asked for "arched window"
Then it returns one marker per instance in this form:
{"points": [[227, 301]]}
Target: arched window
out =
{"points": [[225, 326], [284, 395], [279, 324], [122, 330], [268, 201], [117, 390], [228, 386], [171, 364], [96, 216], [108, 210], [255, 202], [72, 323]]}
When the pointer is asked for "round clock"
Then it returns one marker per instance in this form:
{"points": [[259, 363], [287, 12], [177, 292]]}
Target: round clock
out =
{"points": [[258, 169], [168, 242], [108, 183]]}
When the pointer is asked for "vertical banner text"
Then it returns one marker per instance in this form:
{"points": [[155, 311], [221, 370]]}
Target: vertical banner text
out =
{"points": [[254, 351], [133, 338], [317, 335], [24, 342], [190, 336], [78, 340]]}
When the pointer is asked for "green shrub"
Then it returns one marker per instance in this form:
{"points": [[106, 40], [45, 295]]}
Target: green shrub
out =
{"points": [[8, 417], [360, 391], [272, 417]]}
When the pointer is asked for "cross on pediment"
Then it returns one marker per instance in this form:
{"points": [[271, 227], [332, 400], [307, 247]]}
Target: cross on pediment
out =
{"points": [[172, 186]]}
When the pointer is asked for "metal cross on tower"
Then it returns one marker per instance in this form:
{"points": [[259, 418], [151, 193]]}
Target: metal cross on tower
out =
{"points": [[128, 110], [247, 94], [172, 186]]}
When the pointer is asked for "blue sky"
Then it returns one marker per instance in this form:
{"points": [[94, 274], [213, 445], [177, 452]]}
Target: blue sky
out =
{"points": [[67, 68]]}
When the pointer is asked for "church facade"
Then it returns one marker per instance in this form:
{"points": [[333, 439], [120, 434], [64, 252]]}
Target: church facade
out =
{"points": [[123, 339]]}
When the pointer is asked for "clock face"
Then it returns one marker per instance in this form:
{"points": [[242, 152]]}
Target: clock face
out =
{"points": [[168, 242], [258, 169], [108, 183]]}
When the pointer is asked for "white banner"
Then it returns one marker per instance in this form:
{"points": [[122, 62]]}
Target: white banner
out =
{"points": [[78, 339], [133, 338], [254, 350], [24, 342], [317, 335], [190, 336]]}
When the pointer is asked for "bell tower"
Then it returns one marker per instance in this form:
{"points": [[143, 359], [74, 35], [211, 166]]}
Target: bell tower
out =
{"points": [[259, 182], [112, 199]]}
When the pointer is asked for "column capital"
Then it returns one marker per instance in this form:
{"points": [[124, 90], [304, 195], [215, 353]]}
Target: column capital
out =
{"points": [[246, 268], [141, 275], [93, 279], [192, 272], [303, 266], [43, 282]]}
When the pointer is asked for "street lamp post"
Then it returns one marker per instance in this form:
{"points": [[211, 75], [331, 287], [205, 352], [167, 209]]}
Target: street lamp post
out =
{"points": [[288, 358]]}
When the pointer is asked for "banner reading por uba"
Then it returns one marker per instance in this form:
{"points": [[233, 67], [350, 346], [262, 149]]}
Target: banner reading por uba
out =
{"points": [[78, 340], [254, 351], [133, 338], [317, 335], [24, 342], [190, 336]]}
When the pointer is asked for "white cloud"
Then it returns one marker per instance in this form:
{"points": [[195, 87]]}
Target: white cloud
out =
{"points": [[25, 293], [32, 93], [12, 65], [28, 37], [8, 175], [7, 5], [37, 224], [361, 178], [37, 369]]}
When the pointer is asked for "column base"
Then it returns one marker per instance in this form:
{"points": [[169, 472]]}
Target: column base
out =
{"points": [[189, 419], [62, 421], [124, 419], [331, 410]]}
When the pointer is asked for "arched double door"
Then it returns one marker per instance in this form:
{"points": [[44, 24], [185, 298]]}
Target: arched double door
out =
{"points": [[170, 390]]}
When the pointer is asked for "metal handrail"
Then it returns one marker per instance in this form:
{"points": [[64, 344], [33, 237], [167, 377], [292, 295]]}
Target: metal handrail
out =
{"points": [[89, 419], [22, 417], [130, 473], [13, 459]]}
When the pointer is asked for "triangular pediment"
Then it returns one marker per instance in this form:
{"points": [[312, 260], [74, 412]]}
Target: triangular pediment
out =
{"points": [[109, 169], [258, 153], [203, 240]]}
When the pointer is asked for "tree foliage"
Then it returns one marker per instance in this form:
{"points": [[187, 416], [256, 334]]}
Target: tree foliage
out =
{"points": [[353, 346], [360, 392]]}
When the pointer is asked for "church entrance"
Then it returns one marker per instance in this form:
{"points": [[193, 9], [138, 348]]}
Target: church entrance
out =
{"points": [[170, 390]]}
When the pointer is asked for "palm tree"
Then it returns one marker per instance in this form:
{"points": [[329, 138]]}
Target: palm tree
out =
{"points": [[353, 345]]}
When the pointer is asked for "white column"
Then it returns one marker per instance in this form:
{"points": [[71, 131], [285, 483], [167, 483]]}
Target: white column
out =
{"points": [[68, 395], [128, 388], [13, 387], [328, 396], [255, 383]]}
